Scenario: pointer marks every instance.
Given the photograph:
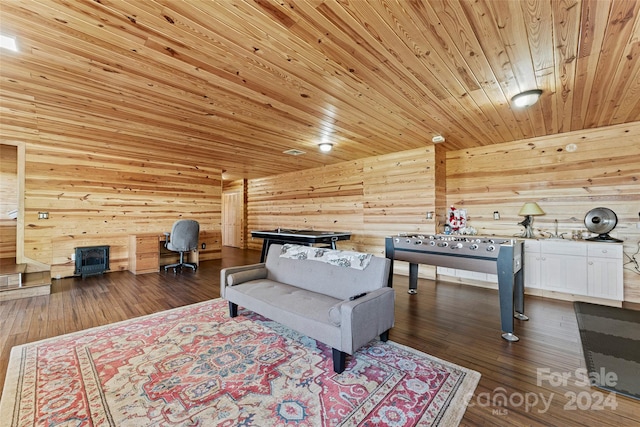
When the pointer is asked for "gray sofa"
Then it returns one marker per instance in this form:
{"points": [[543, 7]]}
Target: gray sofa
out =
{"points": [[316, 297]]}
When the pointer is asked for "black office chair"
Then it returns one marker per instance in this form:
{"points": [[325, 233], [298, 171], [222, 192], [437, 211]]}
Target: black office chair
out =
{"points": [[184, 238]]}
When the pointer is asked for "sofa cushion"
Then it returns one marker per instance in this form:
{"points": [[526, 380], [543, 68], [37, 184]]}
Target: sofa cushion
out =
{"points": [[305, 311]]}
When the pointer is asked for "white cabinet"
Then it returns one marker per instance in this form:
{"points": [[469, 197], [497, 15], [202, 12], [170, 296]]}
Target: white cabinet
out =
{"points": [[579, 268], [604, 271], [563, 266]]}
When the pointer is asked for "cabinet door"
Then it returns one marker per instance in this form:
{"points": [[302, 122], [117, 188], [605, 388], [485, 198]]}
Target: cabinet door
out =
{"points": [[605, 278], [564, 273], [532, 277]]}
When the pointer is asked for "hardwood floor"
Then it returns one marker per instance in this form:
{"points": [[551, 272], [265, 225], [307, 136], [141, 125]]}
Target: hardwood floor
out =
{"points": [[457, 323]]}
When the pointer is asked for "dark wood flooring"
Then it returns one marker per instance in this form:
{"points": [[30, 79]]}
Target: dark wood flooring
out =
{"points": [[521, 382]]}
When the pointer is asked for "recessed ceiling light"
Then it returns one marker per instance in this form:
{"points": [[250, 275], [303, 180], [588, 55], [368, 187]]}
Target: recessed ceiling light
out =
{"points": [[8, 43], [325, 147], [294, 152], [526, 98]]}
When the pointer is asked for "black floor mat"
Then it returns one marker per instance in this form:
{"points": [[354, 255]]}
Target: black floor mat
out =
{"points": [[611, 345]]}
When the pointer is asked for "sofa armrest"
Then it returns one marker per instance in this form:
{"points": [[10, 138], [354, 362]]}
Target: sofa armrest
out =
{"points": [[235, 275], [367, 317]]}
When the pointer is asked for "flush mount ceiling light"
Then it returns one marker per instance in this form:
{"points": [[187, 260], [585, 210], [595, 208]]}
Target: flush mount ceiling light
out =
{"points": [[526, 98], [8, 43], [437, 139], [325, 147]]}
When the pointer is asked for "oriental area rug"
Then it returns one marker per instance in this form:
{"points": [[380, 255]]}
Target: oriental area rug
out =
{"points": [[611, 346], [195, 366]]}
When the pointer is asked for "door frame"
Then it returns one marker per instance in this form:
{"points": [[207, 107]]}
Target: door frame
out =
{"points": [[20, 180]]}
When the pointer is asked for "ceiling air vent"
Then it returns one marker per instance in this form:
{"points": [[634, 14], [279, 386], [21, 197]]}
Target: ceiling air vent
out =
{"points": [[294, 152]]}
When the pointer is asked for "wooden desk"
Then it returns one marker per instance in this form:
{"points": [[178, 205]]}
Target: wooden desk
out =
{"points": [[145, 253]]}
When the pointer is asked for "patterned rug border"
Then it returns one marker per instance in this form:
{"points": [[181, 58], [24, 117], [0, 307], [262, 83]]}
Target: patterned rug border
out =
{"points": [[451, 415]]}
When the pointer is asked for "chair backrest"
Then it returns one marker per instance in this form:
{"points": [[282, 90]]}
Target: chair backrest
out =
{"points": [[184, 235], [323, 278]]}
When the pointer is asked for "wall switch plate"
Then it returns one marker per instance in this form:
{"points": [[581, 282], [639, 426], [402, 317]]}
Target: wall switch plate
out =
{"points": [[496, 215]]}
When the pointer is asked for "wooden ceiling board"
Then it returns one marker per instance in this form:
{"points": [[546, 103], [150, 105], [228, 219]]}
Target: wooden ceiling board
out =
{"points": [[618, 33], [235, 83]]}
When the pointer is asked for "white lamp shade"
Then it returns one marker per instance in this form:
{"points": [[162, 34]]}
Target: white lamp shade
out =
{"points": [[530, 208]]}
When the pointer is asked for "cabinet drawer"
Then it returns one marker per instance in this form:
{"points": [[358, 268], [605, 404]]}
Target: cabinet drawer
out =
{"points": [[563, 248], [147, 261], [603, 250], [146, 244]]}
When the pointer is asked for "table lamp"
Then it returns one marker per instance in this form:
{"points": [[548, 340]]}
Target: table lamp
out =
{"points": [[529, 210]]}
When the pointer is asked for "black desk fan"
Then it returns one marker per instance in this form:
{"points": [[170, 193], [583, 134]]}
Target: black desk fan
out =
{"points": [[601, 221]]}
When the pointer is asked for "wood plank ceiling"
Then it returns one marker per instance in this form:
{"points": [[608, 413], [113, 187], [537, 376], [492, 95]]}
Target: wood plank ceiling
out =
{"points": [[235, 83]]}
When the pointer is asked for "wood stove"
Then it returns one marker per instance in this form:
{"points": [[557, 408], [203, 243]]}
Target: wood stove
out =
{"points": [[91, 260]]}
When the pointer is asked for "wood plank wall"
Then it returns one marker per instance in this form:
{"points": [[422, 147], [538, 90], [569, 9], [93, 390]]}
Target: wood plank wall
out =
{"points": [[372, 198], [95, 199], [384, 195], [97, 194]]}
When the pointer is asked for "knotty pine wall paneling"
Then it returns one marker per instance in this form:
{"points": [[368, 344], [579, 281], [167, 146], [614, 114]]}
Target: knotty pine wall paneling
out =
{"points": [[440, 178], [99, 185], [95, 199], [399, 190], [327, 198], [377, 197]]}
